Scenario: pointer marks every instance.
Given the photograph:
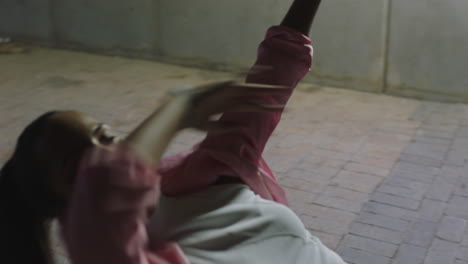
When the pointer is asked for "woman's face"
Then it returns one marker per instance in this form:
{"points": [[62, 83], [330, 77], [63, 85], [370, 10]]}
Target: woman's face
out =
{"points": [[86, 127], [67, 137]]}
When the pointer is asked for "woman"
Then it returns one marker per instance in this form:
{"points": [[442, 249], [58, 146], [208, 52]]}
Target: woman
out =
{"points": [[37, 181], [104, 193]]}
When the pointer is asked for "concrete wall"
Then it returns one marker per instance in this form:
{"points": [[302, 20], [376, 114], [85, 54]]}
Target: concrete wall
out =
{"points": [[217, 32], [409, 48], [349, 40], [26, 18], [123, 25], [428, 52], [90, 24]]}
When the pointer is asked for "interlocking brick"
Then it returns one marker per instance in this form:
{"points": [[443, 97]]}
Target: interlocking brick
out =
{"points": [[441, 252], [315, 162], [450, 174], [395, 200], [443, 118], [329, 240], [282, 164], [375, 232], [383, 221], [320, 174], [387, 141], [442, 245], [431, 210], [291, 141], [345, 147], [357, 181], [420, 114], [451, 229], [462, 190], [307, 185], [458, 206], [390, 211], [347, 194], [421, 233], [403, 191], [297, 207], [462, 253], [417, 186], [436, 161], [450, 129], [409, 254], [440, 190], [370, 159], [460, 143], [355, 256], [398, 127], [434, 151], [327, 212], [326, 153], [294, 195], [369, 245], [381, 150], [465, 240], [326, 225], [412, 176], [417, 168], [368, 169], [435, 133], [462, 132], [339, 203], [456, 157], [432, 140]]}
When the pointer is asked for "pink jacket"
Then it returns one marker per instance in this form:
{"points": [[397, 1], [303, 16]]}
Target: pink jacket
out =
{"points": [[114, 193]]}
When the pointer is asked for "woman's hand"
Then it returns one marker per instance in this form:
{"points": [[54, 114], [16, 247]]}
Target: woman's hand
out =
{"points": [[205, 102], [301, 15], [195, 108]]}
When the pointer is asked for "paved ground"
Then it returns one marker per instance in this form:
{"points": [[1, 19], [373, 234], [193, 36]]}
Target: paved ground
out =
{"points": [[380, 179]]}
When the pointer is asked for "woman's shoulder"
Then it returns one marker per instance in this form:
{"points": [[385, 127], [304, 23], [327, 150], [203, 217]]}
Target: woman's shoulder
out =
{"points": [[227, 210]]}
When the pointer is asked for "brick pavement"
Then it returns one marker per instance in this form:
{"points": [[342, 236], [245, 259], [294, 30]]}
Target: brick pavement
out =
{"points": [[381, 179]]}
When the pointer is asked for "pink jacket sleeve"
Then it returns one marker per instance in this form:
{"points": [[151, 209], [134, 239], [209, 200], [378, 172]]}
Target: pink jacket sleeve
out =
{"points": [[106, 216], [287, 56]]}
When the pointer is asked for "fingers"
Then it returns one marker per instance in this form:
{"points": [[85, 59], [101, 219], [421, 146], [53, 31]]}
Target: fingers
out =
{"points": [[224, 126], [250, 106], [258, 86], [229, 96], [238, 88], [256, 69], [260, 69], [216, 126], [251, 89], [241, 91], [218, 106]]}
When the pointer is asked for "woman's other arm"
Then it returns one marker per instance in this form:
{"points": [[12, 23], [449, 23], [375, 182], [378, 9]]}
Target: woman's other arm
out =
{"points": [[301, 15]]}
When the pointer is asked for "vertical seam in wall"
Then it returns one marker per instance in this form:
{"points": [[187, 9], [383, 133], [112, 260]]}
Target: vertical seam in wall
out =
{"points": [[157, 27], [54, 38], [386, 43]]}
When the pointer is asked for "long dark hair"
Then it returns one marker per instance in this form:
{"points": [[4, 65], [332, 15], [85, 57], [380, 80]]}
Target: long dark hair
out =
{"points": [[26, 203]]}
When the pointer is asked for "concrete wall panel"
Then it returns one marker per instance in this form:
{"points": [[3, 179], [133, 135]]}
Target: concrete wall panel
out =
{"points": [[25, 18], [103, 24], [410, 48], [217, 32], [428, 51], [349, 41]]}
